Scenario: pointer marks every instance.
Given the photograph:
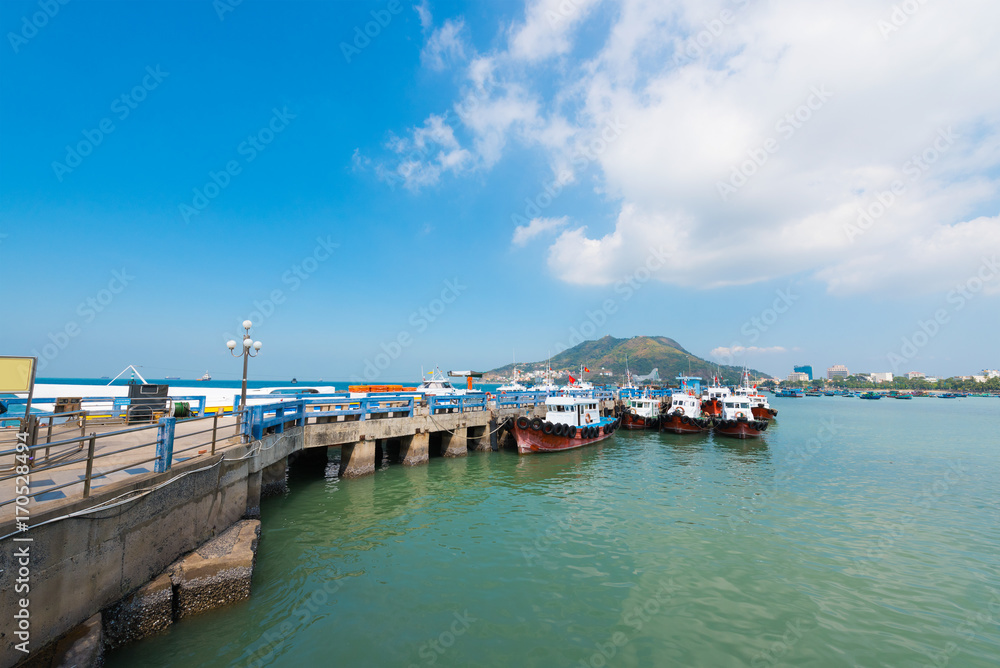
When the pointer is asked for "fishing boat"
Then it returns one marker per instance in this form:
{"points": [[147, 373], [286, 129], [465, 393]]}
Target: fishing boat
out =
{"points": [[682, 415], [438, 385], [789, 392], [712, 398], [641, 413], [813, 393], [580, 384], [548, 383], [759, 405], [870, 395], [570, 422], [902, 396], [514, 385], [206, 377], [737, 420]]}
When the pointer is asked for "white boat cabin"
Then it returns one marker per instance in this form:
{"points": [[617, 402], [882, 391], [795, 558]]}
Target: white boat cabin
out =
{"points": [[736, 408], [437, 384], [644, 406], [717, 392], [577, 411], [685, 404]]}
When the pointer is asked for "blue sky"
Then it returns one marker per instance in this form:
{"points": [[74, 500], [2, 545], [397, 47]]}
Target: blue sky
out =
{"points": [[268, 162]]}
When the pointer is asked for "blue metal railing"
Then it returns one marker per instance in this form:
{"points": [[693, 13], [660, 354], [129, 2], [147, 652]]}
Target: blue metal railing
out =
{"points": [[456, 403], [115, 406], [519, 399], [274, 416]]}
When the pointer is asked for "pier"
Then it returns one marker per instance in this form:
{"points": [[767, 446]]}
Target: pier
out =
{"points": [[113, 506]]}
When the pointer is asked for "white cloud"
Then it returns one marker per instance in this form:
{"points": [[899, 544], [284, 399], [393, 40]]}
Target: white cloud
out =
{"points": [[547, 28], [445, 45], [723, 352], [525, 233], [423, 10], [705, 89]]}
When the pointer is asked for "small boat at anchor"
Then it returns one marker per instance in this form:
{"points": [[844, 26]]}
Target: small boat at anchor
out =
{"points": [[713, 398], [737, 421], [683, 415], [759, 406], [641, 413], [570, 422]]}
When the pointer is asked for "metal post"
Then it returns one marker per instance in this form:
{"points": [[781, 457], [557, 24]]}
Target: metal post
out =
{"points": [[215, 429], [90, 464], [243, 392], [48, 439], [165, 444], [32, 437]]}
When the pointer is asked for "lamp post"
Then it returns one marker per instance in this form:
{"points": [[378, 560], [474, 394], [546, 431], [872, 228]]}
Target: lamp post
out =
{"points": [[249, 349]]}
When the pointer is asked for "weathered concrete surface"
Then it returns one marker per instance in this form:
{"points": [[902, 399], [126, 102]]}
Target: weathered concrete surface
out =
{"points": [[478, 439], [82, 647], [415, 450], [147, 611], [341, 433], [273, 479], [81, 565], [357, 459], [455, 444], [217, 573]]}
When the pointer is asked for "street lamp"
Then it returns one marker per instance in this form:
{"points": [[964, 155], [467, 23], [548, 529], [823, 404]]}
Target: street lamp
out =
{"points": [[250, 349]]}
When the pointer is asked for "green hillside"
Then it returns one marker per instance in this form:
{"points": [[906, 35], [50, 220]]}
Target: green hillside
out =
{"points": [[644, 354]]}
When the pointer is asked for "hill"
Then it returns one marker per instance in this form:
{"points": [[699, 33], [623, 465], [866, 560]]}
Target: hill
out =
{"points": [[645, 353]]}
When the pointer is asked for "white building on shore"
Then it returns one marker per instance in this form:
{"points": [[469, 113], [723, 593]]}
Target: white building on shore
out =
{"points": [[837, 371]]}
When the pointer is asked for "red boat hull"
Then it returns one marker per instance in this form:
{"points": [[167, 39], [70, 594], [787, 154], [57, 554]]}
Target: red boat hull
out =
{"points": [[737, 429], [712, 407], [677, 424], [633, 421], [762, 413], [530, 440]]}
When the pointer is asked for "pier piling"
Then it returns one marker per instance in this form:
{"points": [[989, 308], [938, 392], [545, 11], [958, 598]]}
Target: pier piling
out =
{"points": [[414, 450], [455, 444], [357, 459]]}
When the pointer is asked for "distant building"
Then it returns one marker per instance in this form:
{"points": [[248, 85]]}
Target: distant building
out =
{"points": [[915, 374], [931, 379], [806, 369], [837, 371], [880, 377], [979, 379], [797, 376], [991, 373]]}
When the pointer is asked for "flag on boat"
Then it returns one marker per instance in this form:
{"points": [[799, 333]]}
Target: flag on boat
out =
{"points": [[586, 370], [571, 379]]}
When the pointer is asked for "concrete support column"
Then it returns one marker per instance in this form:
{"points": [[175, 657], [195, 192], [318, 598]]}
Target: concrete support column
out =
{"points": [[455, 445], [253, 496], [413, 450], [272, 478], [478, 440], [357, 459]]}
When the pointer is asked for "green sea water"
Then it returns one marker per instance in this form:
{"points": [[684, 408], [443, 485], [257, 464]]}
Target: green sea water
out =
{"points": [[855, 533]]}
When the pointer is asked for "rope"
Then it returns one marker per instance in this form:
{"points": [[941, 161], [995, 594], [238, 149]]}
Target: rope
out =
{"points": [[466, 438]]}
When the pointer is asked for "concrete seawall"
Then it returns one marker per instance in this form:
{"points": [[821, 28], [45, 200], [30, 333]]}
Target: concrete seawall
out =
{"points": [[82, 564]]}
